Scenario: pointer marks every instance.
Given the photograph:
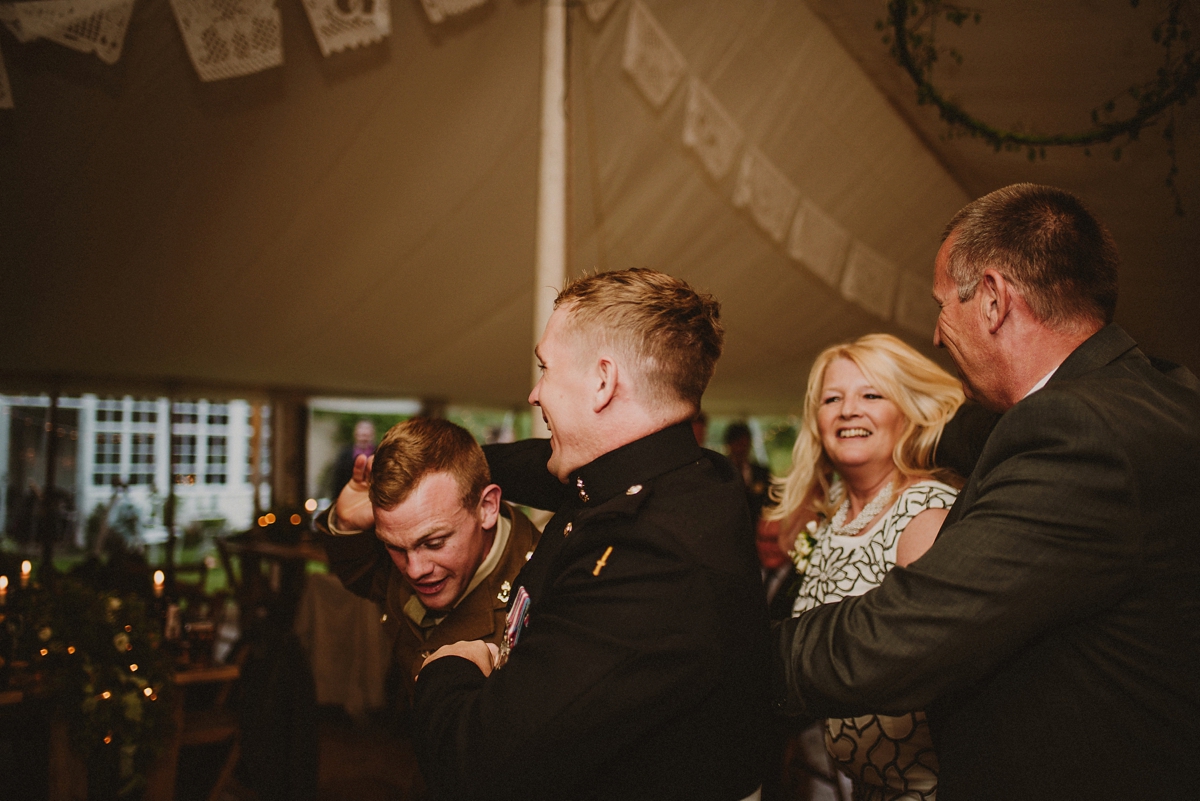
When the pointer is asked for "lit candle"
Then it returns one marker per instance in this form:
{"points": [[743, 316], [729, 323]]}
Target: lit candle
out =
{"points": [[26, 569], [3, 590], [160, 579]]}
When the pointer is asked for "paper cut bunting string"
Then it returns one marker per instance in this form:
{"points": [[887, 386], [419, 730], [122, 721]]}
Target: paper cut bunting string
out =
{"points": [[819, 243], [710, 131], [870, 281], [767, 193], [438, 10], [228, 38], [915, 309], [342, 24], [89, 26], [597, 10], [650, 58], [6, 98]]}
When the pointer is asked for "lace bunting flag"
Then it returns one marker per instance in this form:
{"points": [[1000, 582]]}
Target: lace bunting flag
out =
{"points": [[915, 309], [818, 242], [89, 26], [228, 38], [438, 10], [870, 281], [6, 98], [597, 10], [12, 20], [342, 24], [710, 131], [767, 193], [650, 58]]}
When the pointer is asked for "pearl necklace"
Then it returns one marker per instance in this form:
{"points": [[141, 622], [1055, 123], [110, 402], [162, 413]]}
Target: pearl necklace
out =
{"points": [[869, 512]]}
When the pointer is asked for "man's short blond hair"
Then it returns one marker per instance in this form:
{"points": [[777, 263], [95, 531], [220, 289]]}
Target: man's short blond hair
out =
{"points": [[672, 332], [419, 447]]}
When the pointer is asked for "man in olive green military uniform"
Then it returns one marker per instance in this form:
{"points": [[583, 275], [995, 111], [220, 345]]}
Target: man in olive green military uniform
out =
{"points": [[421, 530]]}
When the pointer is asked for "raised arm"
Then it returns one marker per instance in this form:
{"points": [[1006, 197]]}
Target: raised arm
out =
{"points": [[520, 470]]}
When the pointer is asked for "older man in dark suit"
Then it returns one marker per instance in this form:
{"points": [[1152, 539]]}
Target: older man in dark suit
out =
{"points": [[1053, 630]]}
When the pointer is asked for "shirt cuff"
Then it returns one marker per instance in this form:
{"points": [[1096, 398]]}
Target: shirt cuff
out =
{"points": [[337, 530]]}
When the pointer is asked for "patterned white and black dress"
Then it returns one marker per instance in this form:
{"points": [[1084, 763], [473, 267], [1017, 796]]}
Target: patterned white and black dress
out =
{"points": [[889, 758]]}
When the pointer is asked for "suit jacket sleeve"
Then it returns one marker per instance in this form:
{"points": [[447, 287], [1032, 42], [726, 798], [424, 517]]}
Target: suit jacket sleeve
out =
{"points": [[1049, 533], [963, 438], [520, 470]]}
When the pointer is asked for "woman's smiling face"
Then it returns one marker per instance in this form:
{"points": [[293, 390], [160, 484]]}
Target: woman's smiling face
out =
{"points": [[857, 424]]}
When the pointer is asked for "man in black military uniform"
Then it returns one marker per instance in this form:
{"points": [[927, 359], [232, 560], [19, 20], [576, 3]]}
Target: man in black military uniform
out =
{"points": [[637, 664]]}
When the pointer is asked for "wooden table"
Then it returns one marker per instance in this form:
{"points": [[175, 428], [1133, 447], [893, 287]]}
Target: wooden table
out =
{"points": [[287, 564]]}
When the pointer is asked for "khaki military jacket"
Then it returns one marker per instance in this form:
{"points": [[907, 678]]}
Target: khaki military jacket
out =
{"points": [[365, 568]]}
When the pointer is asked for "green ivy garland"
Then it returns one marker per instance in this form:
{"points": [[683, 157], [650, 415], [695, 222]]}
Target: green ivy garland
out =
{"points": [[911, 27]]}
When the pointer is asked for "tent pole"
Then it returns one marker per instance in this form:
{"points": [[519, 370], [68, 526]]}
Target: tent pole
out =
{"points": [[552, 176]]}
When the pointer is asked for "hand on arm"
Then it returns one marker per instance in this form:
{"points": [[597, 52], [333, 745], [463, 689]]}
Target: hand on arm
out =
{"points": [[483, 654]]}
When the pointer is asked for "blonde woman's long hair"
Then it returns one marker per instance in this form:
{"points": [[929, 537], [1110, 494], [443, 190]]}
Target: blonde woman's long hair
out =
{"points": [[926, 394]]}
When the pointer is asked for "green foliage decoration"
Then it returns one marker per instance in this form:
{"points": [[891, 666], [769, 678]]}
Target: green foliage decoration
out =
{"points": [[99, 666], [911, 27]]}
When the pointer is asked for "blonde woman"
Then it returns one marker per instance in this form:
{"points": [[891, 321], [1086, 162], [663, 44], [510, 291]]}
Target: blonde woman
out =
{"points": [[862, 463]]}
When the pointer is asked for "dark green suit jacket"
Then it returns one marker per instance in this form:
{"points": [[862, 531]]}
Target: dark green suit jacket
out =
{"points": [[1053, 630]]}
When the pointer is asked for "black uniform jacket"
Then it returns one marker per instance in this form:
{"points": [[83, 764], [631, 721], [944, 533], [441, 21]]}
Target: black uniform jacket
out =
{"points": [[1052, 631], [642, 670]]}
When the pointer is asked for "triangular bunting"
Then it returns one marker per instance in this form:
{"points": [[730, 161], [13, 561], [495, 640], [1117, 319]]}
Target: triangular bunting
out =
{"points": [[12, 21], [89, 26], [342, 24], [915, 309], [598, 9], [767, 193], [650, 58], [438, 10], [710, 131], [228, 38], [819, 243], [870, 281]]}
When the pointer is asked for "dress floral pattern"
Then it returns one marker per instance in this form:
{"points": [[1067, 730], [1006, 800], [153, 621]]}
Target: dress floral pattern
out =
{"points": [[889, 758]]}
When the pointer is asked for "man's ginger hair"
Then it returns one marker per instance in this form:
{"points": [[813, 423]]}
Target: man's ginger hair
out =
{"points": [[672, 333], [420, 447]]}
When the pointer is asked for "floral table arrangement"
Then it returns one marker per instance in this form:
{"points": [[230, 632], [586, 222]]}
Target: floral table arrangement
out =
{"points": [[92, 658]]}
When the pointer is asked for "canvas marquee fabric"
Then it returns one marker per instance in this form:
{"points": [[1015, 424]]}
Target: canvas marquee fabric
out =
{"points": [[363, 222]]}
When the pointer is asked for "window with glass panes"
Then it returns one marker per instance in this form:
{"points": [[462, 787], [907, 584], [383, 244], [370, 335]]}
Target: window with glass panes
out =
{"points": [[143, 423], [185, 418], [110, 417]]}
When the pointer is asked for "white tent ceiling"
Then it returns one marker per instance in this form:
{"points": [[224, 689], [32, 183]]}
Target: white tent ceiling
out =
{"points": [[365, 223]]}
